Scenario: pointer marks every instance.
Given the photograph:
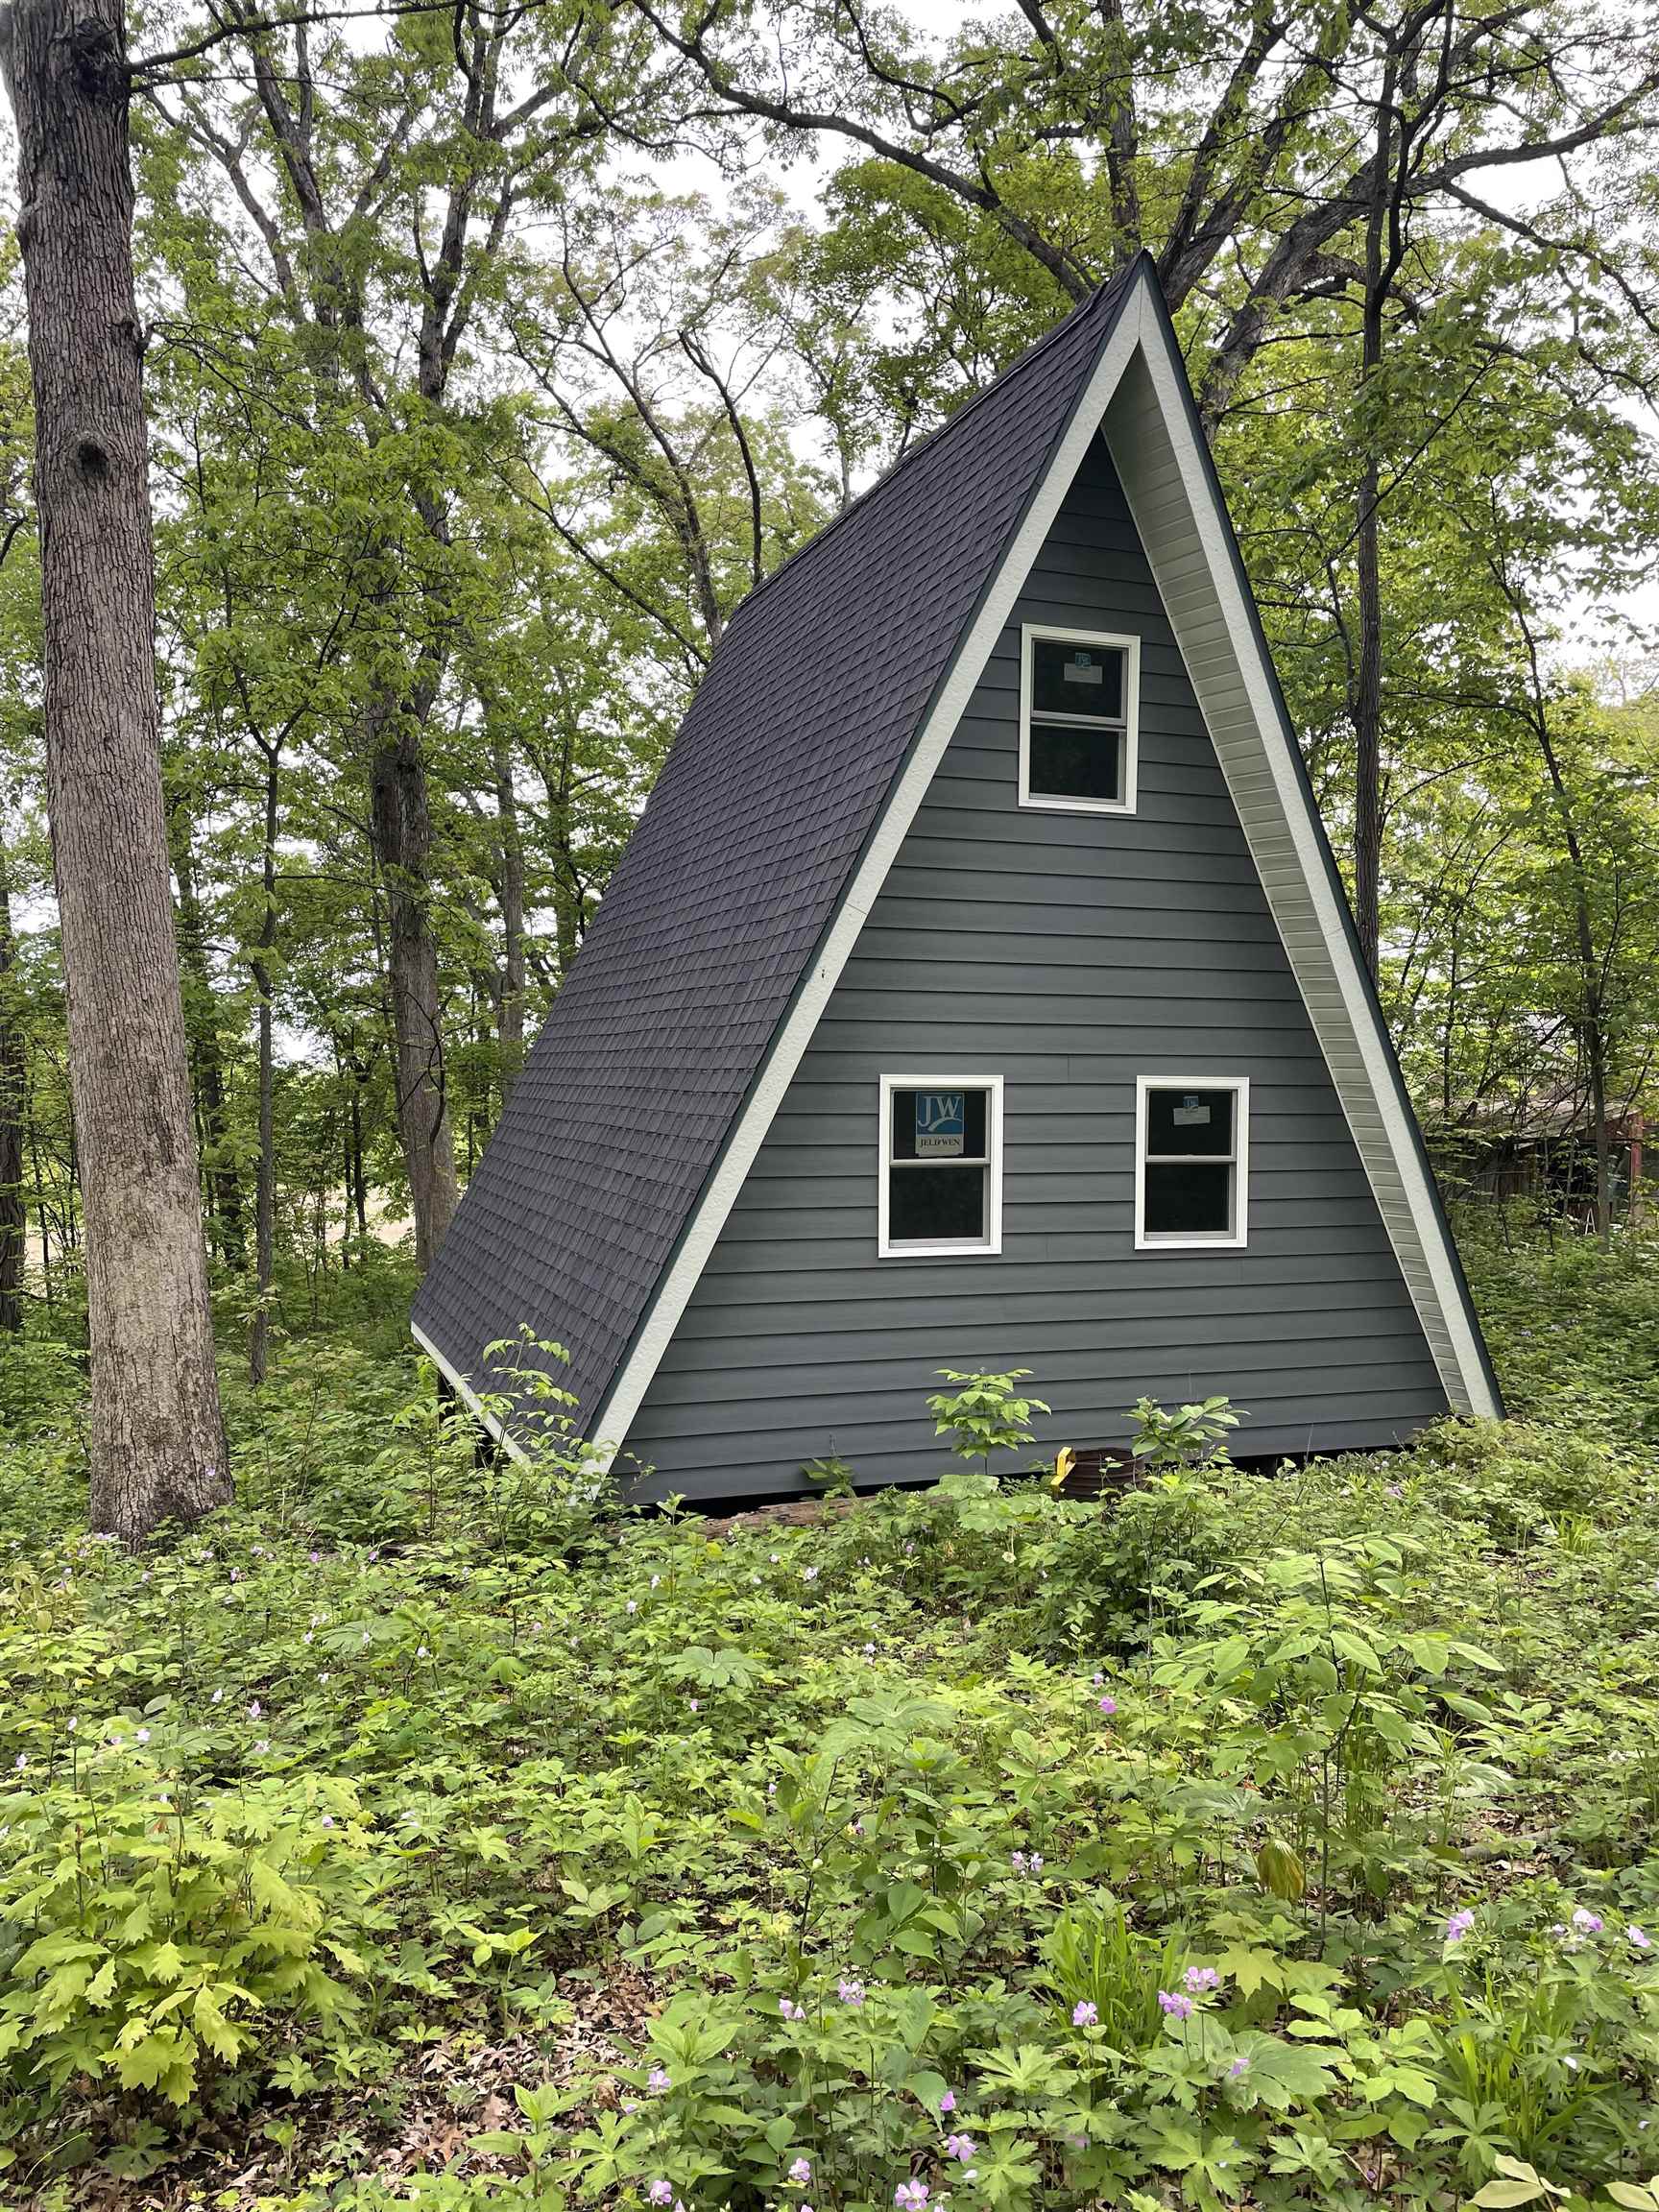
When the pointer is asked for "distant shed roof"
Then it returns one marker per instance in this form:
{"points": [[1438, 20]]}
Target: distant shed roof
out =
{"points": [[771, 788]]}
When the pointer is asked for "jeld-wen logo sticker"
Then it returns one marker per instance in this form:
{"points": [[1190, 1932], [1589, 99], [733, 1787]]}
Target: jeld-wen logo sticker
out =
{"points": [[941, 1124]]}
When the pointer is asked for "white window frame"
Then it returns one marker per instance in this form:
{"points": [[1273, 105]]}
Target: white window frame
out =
{"points": [[1190, 1239], [947, 1248], [1113, 640]]}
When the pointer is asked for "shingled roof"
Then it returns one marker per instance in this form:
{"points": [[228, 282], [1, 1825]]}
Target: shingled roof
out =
{"points": [[729, 882], [783, 804]]}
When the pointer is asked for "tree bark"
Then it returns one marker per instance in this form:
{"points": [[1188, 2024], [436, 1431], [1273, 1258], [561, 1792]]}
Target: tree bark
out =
{"points": [[512, 1018], [156, 1437], [1365, 701], [403, 827], [265, 1190], [1591, 1023], [223, 1183], [14, 1221]]}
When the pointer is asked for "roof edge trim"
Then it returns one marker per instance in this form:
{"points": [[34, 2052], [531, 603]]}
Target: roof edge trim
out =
{"points": [[794, 1033], [467, 1396], [1207, 599]]}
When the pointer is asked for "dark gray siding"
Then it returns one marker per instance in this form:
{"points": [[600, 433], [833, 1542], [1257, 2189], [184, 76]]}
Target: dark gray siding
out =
{"points": [[1071, 952]]}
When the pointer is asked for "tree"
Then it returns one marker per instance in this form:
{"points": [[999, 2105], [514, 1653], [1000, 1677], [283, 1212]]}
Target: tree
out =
{"points": [[156, 1441], [14, 1221]]}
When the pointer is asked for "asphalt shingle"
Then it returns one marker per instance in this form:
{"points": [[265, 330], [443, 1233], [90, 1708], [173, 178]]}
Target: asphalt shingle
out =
{"points": [[730, 881]]}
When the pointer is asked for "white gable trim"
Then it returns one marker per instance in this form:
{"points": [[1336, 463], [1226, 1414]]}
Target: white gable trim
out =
{"points": [[467, 1396], [1189, 544], [1188, 538], [910, 787]]}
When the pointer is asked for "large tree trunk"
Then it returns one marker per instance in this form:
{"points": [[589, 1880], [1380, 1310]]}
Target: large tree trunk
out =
{"points": [[14, 1221], [403, 827], [156, 1441]]}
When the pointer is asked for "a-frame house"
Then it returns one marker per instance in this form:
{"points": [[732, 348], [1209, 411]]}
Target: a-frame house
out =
{"points": [[978, 989]]}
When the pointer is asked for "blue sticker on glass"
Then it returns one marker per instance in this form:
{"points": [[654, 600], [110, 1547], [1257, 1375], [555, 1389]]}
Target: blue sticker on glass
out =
{"points": [[941, 1124]]}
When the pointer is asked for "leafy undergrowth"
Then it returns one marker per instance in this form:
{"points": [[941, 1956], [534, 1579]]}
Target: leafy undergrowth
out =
{"points": [[418, 1832]]}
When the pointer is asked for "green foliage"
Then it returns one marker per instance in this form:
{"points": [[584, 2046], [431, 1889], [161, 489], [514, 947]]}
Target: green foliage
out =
{"points": [[984, 1413], [1286, 1840], [1190, 1436]]}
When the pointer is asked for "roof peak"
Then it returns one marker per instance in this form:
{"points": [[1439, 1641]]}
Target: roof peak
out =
{"points": [[1111, 290]]}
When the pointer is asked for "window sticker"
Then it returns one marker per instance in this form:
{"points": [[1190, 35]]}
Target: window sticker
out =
{"points": [[941, 1124], [1192, 1113], [1083, 668]]}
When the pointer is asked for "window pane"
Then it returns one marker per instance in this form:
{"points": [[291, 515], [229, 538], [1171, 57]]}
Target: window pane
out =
{"points": [[1189, 1200], [1073, 763], [1188, 1122], [944, 1125], [1077, 679], [928, 1205]]}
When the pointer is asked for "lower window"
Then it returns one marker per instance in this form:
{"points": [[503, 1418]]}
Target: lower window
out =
{"points": [[1192, 1154], [941, 1165]]}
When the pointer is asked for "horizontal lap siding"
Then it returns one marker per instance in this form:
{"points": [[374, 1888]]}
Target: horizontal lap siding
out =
{"points": [[1068, 954]]}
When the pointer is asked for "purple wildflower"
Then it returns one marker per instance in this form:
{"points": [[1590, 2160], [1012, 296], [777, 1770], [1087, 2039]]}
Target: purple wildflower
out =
{"points": [[911, 2197], [849, 1992], [1085, 2014], [1198, 1978], [801, 2173], [947, 2103], [1639, 1936], [660, 2192], [1586, 1922], [1175, 2004], [959, 2147], [659, 2082], [791, 2011], [1459, 1925], [1108, 1705]]}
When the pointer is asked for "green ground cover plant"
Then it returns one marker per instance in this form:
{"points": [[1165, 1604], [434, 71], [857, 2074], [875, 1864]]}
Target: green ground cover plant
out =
{"points": [[422, 1833]]}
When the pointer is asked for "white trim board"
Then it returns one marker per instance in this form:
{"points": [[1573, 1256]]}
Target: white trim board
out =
{"points": [[986, 1247], [1126, 642], [1237, 1237], [1189, 544], [467, 1396], [1188, 539], [908, 790]]}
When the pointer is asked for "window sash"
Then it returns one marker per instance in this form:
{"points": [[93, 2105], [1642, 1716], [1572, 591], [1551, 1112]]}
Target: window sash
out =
{"points": [[1122, 726], [1234, 1162], [1039, 718], [946, 1159], [985, 1164]]}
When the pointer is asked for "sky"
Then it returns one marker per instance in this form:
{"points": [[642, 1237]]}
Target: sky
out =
{"points": [[1519, 190]]}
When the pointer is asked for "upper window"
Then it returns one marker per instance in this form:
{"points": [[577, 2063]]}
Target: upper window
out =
{"points": [[941, 1165], [1078, 703], [1191, 1142]]}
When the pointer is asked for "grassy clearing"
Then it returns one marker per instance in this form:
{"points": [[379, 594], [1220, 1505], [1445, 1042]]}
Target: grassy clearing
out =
{"points": [[1268, 1841]]}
